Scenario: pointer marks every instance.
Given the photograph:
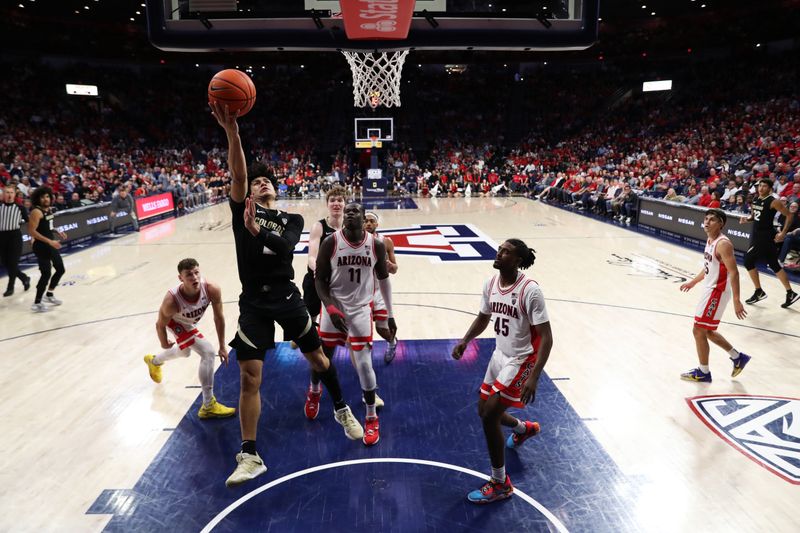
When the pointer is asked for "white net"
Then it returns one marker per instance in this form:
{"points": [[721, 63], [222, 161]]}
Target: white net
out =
{"points": [[376, 77]]}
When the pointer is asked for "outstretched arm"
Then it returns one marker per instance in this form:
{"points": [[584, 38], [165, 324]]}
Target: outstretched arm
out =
{"points": [[236, 160], [697, 279], [476, 328]]}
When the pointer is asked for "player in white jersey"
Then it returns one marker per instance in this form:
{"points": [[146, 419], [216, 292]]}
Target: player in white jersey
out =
{"points": [[182, 308], [523, 339], [347, 265], [379, 313], [721, 278]]}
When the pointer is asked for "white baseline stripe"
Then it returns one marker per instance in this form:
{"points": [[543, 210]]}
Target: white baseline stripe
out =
{"points": [[229, 509]]}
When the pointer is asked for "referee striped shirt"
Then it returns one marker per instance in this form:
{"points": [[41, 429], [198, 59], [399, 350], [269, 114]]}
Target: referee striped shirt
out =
{"points": [[11, 215]]}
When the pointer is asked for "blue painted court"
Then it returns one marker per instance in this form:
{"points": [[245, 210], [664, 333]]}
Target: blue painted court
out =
{"points": [[430, 451]]}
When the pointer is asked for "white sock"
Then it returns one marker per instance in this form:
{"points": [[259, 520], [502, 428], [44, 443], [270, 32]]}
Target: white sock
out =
{"points": [[521, 428], [316, 388], [499, 474], [371, 411], [734, 353], [705, 369], [166, 355]]}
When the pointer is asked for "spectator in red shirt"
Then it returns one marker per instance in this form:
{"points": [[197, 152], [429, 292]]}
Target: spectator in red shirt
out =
{"points": [[705, 197]]}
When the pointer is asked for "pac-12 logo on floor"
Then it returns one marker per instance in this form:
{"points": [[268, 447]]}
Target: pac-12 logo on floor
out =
{"points": [[439, 242], [764, 428]]}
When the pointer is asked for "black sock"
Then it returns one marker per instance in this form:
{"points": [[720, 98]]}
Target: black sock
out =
{"points": [[330, 379], [369, 396], [49, 293], [249, 446]]}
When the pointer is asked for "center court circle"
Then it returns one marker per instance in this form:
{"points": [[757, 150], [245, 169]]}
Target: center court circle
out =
{"points": [[518, 493]]}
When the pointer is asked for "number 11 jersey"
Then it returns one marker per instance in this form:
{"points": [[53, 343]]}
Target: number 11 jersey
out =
{"points": [[352, 270]]}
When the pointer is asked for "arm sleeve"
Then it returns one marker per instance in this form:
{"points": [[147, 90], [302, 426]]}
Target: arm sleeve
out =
{"points": [[535, 306], [283, 245]]}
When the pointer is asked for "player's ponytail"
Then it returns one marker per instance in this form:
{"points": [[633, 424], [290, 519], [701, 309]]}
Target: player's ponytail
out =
{"points": [[524, 253]]}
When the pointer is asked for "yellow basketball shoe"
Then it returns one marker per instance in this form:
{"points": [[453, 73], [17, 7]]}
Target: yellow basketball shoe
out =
{"points": [[214, 409], [155, 370]]}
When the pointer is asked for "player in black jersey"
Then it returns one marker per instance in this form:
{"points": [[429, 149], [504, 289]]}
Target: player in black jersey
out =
{"points": [[335, 200], [40, 227], [265, 238], [764, 241]]}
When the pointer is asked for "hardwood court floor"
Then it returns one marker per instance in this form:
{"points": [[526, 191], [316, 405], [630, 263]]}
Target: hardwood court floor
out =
{"points": [[81, 415]]}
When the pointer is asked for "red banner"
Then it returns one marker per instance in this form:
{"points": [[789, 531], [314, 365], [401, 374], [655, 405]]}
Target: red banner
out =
{"points": [[377, 19], [154, 205]]}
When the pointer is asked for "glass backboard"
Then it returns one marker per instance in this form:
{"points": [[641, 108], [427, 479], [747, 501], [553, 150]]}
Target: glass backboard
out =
{"points": [[270, 25]]}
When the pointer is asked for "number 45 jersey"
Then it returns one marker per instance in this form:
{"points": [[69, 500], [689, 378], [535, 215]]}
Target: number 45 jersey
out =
{"points": [[352, 270], [514, 311]]}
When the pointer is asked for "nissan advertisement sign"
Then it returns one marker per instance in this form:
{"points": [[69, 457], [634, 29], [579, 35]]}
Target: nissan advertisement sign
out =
{"points": [[79, 223], [687, 221]]}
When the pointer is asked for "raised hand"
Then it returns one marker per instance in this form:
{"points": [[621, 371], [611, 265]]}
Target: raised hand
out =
{"points": [[250, 216], [225, 117]]}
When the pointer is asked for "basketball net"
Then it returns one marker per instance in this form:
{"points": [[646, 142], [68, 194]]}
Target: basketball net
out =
{"points": [[376, 77]]}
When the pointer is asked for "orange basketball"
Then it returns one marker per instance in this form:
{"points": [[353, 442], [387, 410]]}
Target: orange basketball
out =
{"points": [[234, 88]]}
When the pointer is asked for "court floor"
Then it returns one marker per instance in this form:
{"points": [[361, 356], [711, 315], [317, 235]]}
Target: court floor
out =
{"points": [[91, 443]]}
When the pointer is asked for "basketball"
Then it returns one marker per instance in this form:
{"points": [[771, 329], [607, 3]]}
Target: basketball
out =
{"points": [[233, 88]]}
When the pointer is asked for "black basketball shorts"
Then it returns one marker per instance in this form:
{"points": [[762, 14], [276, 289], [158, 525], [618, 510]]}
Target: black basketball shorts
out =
{"points": [[255, 333]]}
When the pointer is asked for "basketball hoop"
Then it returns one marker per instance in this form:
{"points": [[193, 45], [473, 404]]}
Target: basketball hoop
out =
{"points": [[376, 77]]}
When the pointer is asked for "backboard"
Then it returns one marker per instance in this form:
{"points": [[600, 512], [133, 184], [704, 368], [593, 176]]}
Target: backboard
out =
{"points": [[307, 25], [378, 127]]}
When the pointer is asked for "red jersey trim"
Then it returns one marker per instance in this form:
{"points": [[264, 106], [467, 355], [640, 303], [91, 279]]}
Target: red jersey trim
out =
{"points": [[350, 244], [520, 277]]}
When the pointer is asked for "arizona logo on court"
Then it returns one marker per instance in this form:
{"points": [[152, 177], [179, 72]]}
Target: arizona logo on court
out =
{"points": [[439, 242], [764, 428]]}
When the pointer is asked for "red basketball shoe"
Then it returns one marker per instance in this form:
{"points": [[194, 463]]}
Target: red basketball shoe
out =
{"points": [[371, 431], [312, 403]]}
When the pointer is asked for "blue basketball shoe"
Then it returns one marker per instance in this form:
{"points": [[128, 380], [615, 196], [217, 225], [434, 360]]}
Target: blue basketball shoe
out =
{"points": [[696, 374], [739, 363]]}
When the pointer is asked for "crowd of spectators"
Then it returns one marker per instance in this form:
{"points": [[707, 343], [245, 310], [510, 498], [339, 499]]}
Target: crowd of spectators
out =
{"points": [[588, 140]]}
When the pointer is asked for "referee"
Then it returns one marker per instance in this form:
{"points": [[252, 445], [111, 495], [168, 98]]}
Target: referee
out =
{"points": [[11, 216]]}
